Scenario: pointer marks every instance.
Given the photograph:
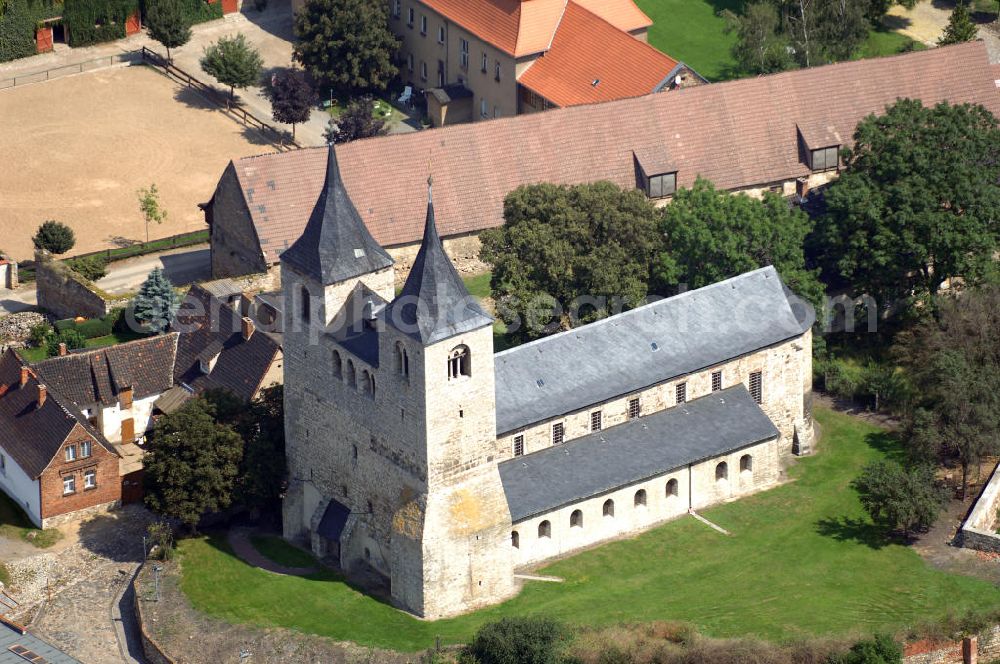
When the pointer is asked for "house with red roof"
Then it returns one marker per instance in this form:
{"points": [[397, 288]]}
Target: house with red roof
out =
{"points": [[483, 59]]}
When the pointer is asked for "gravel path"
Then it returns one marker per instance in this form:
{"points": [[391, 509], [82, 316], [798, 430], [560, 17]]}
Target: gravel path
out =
{"points": [[239, 540]]}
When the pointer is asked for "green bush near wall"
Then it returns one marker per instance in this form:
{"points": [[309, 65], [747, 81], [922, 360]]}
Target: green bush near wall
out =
{"points": [[18, 20], [95, 21], [199, 11]]}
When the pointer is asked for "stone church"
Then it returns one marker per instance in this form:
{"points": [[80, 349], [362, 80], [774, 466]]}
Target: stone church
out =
{"points": [[419, 455]]}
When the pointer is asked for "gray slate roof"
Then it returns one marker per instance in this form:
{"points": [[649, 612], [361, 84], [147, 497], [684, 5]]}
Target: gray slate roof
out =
{"points": [[645, 346], [335, 244], [600, 462], [10, 638], [434, 303]]}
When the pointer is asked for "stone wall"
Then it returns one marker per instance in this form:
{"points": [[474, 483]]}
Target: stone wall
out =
{"points": [[66, 294], [982, 648], [150, 648], [979, 531]]}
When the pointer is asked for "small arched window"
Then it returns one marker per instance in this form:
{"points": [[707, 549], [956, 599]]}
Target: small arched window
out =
{"points": [[746, 464], [402, 360], [576, 519], [459, 362], [640, 498], [672, 489], [304, 303], [515, 539], [722, 472], [545, 529], [349, 375], [371, 385], [338, 365], [609, 507]]}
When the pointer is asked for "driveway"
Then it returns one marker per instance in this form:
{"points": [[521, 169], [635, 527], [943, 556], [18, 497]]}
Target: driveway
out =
{"points": [[927, 20], [181, 266]]}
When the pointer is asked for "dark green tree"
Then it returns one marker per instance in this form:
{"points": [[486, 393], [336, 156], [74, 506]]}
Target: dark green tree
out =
{"points": [[191, 464], [711, 235], [346, 44], [519, 640], [72, 338], [168, 24], [292, 98], [234, 62], [842, 27], [357, 121], [953, 359], [54, 237], [759, 47], [881, 649], [960, 27], [90, 267], [567, 255], [916, 203], [904, 500], [155, 304]]}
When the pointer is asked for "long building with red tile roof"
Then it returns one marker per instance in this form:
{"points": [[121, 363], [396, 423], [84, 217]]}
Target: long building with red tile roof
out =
{"points": [[770, 132]]}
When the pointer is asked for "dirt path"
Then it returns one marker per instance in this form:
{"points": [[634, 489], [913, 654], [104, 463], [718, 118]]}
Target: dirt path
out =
{"points": [[239, 540]]}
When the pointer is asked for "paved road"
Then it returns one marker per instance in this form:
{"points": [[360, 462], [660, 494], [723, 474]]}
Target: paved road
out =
{"points": [[182, 266]]}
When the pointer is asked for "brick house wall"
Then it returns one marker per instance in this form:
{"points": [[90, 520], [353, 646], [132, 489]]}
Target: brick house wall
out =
{"points": [[106, 494]]}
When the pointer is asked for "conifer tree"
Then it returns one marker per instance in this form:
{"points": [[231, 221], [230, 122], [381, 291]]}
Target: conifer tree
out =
{"points": [[960, 26], [156, 302]]}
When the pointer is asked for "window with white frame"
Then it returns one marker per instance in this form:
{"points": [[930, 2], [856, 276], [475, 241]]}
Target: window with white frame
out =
{"points": [[71, 453], [519, 445], [441, 34], [423, 70], [483, 108], [90, 479], [409, 62], [397, 8], [423, 25], [486, 62], [409, 17], [69, 484], [85, 449], [496, 69], [463, 54]]}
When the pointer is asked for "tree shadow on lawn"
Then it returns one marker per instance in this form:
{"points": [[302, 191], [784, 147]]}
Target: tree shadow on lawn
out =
{"points": [[888, 444], [850, 529], [326, 574]]}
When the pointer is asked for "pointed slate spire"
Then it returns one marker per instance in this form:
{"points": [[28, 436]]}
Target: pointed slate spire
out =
{"points": [[434, 303], [335, 244]]}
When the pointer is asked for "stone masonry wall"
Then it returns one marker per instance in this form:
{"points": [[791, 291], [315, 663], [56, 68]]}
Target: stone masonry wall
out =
{"points": [[979, 531], [982, 648], [66, 294]]}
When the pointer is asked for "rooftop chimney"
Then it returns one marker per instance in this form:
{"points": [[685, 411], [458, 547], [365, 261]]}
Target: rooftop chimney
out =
{"points": [[248, 328], [62, 348], [802, 187], [25, 372], [42, 391]]}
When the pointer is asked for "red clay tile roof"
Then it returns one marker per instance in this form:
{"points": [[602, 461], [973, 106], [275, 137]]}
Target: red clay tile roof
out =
{"points": [[737, 134], [623, 14], [586, 48]]}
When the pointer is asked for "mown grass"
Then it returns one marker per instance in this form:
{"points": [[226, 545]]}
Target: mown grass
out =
{"points": [[803, 560], [278, 550], [39, 353], [14, 524]]}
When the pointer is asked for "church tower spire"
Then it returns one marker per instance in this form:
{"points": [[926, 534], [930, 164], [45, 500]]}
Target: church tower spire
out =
{"points": [[434, 303], [335, 245]]}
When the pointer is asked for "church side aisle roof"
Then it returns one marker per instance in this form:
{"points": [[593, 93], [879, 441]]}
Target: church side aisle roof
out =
{"points": [[645, 346], [642, 448], [335, 245]]}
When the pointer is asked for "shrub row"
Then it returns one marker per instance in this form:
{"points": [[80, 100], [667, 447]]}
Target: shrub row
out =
{"points": [[18, 20], [95, 21], [92, 328]]}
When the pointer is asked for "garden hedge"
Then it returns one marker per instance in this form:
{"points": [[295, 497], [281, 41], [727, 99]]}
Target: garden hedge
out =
{"points": [[95, 21], [18, 20]]}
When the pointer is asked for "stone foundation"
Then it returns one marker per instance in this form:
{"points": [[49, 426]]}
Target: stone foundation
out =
{"points": [[80, 515]]}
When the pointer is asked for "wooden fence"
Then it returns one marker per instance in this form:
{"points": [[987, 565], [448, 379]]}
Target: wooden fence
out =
{"points": [[278, 137], [104, 62]]}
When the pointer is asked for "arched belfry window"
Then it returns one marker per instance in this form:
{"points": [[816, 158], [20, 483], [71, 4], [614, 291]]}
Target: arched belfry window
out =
{"points": [[304, 303], [402, 360], [349, 375], [459, 362], [338, 365]]}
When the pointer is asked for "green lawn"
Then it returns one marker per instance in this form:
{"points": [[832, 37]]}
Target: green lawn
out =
{"points": [[281, 552], [803, 561], [14, 524], [692, 31], [40, 353]]}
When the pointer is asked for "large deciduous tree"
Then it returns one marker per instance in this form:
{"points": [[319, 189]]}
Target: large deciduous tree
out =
{"points": [[905, 500], [711, 235], [916, 203], [759, 47], [292, 98], [191, 464], [167, 23], [953, 359], [569, 254], [346, 44], [234, 62]]}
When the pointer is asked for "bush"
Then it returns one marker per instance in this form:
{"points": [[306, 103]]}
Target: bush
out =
{"points": [[96, 21], [18, 21], [39, 334], [881, 649], [96, 327], [54, 237], [71, 338], [199, 11], [161, 538], [65, 324], [519, 640], [90, 267]]}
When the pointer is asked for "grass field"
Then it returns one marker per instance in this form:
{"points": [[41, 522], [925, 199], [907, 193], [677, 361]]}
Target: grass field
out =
{"points": [[39, 353], [804, 560], [14, 523], [276, 549], [693, 31]]}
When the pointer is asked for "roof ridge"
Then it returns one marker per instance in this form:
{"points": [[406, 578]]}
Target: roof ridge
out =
{"points": [[645, 44], [635, 310]]}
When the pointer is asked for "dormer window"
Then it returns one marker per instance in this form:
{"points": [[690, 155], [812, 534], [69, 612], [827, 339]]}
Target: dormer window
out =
{"points": [[825, 159], [656, 172], [662, 185]]}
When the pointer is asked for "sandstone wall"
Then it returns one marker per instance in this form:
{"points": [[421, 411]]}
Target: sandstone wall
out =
{"points": [[66, 294], [979, 531]]}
